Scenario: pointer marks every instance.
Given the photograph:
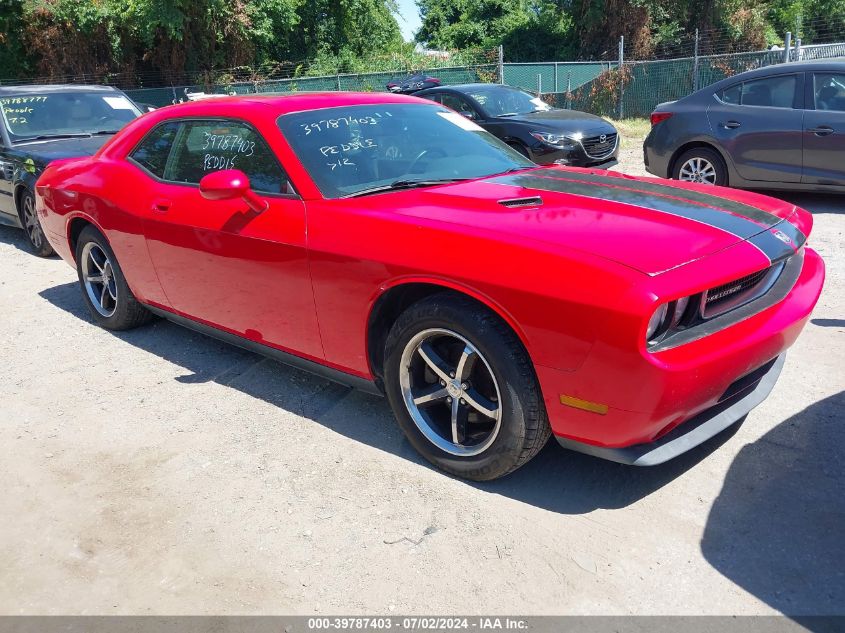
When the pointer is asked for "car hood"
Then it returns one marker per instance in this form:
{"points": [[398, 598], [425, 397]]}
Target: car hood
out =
{"points": [[646, 224], [567, 120], [43, 152]]}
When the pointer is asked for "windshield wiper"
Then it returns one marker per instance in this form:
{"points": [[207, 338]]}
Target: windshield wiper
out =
{"points": [[101, 132], [397, 185], [45, 137]]}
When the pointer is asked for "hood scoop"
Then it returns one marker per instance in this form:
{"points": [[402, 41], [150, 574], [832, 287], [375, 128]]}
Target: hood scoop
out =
{"points": [[529, 201]]}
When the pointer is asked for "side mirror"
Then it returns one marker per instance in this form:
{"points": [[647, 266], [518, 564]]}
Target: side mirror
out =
{"points": [[231, 184], [469, 114]]}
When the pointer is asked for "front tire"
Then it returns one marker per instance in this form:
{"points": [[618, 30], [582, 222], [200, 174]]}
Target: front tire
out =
{"points": [[702, 165], [104, 288], [463, 388], [35, 237]]}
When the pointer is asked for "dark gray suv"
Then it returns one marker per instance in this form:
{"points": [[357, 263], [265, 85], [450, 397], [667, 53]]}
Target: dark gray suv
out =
{"points": [[779, 127]]}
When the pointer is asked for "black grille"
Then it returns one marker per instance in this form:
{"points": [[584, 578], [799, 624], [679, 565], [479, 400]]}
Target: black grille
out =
{"points": [[598, 148], [733, 290]]}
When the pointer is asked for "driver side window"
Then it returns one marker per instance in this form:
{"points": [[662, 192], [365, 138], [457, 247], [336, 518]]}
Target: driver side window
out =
{"points": [[184, 152]]}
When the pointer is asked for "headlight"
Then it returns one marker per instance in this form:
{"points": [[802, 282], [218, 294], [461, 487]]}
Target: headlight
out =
{"points": [[656, 321], [666, 318], [557, 140], [680, 309]]}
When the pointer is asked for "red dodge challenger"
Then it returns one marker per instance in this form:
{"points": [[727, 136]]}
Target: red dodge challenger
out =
{"points": [[390, 244]]}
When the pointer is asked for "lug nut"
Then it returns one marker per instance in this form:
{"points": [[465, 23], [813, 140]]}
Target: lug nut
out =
{"points": [[464, 386], [442, 383], [449, 399], [463, 401]]}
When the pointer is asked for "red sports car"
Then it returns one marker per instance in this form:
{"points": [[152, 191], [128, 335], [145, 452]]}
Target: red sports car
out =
{"points": [[391, 244]]}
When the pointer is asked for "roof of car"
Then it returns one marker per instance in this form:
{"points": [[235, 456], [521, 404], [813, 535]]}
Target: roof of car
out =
{"points": [[52, 88], [468, 87], [292, 102], [803, 66]]}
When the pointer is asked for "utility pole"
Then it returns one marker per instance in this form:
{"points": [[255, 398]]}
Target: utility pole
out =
{"points": [[621, 78], [787, 44], [501, 64], [695, 64]]}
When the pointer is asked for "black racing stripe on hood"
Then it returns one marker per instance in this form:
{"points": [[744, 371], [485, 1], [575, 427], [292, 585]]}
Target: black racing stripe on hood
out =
{"points": [[741, 227], [779, 242], [737, 208]]}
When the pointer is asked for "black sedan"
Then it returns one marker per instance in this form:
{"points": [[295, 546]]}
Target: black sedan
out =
{"points": [[529, 125], [779, 127], [40, 124]]}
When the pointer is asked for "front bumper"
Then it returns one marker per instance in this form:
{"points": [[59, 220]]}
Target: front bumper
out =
{"points": [[543, 154], [646, 397], [745, 394]]}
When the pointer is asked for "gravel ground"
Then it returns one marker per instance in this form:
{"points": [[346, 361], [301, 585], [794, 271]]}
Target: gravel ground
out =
{"points": [[158, 471]]}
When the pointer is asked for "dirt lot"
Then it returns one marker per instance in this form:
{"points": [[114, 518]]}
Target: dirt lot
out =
{"points": [[158, 471]]}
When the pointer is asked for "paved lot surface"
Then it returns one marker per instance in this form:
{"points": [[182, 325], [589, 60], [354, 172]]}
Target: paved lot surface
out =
{"points": [[158, 471]]}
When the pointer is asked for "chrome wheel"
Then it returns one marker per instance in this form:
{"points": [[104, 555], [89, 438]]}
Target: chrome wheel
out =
{"points": [[99, 279], [450, 392], [698, 169], [31, 224]]}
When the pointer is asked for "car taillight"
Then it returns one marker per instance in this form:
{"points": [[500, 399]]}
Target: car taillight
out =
{"points": [[657, 117]]}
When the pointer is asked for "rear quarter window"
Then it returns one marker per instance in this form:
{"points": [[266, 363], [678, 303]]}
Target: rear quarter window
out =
{"points": [[153, 151]]}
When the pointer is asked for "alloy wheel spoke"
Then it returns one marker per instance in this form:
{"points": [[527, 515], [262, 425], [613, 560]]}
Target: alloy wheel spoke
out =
{"points": [[434, 394], [466, 363], [112, 290], [103, 293], [434, 361], [95, 279], [98, 265], [481, 404], [458, 423]]}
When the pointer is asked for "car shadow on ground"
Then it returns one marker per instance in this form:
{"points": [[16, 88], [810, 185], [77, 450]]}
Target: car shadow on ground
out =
{"points": [[557, 480], [776, 528], [15, 237]]}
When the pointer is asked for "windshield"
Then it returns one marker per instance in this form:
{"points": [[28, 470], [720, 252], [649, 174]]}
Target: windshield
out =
{"points": [[349, 150], [29, 116], [499, 101]]}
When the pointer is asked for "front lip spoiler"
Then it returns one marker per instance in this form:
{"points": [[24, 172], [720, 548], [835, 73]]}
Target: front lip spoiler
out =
{"points": [[691, 433]]}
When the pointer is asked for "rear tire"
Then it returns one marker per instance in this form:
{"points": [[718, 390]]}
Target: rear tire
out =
{"points": [[463, 388], [702, 165], [104, 288], [35, 237]]}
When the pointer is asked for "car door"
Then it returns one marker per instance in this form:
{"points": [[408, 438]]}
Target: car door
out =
{"points": [[759, 124], [824, 129], [219, 262], [7, 173]]}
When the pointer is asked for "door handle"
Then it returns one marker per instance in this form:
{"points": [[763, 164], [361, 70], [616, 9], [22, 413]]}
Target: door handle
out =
{"points": [[161, 206], [822, 130], [731, 125]]}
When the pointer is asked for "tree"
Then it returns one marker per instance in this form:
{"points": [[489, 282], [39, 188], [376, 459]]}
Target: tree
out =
{"points": [[172, 39]]}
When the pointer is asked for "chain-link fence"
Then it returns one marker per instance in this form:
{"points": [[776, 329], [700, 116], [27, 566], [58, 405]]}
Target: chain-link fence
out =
{"points": [[366, 82], [634, 88], [616, 88]]}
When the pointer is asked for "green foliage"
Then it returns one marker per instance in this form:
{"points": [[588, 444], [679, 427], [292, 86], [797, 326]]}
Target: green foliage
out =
{"points": [[536, 30], [171, 39]]}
